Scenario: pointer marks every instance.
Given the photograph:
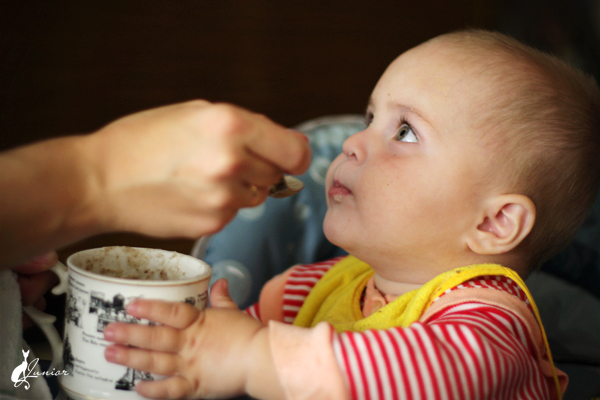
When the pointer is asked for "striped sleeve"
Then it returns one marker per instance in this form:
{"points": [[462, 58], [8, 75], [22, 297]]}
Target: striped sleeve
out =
{"points": [[299, 284], [254, 311], [469, 351], [288, 291]]}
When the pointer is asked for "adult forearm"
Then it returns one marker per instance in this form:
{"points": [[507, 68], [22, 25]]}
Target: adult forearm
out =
{"points": [[47, 197]]}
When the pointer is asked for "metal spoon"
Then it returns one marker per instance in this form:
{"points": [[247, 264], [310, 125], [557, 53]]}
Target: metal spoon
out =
{"points": [[287, 186]]}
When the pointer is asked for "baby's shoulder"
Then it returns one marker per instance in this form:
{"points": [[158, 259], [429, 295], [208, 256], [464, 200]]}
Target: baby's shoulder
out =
{"points": [[499, 284]]}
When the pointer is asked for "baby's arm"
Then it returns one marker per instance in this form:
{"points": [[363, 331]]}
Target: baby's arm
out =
{"points": [[217, 352], [473, 351], [223, 352]]}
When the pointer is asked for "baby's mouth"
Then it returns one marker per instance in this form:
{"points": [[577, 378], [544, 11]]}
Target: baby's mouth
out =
{"points": [[337, 191]]}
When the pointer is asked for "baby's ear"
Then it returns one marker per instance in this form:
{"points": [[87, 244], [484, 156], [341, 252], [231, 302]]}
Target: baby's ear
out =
{"points": [[505, 221]]}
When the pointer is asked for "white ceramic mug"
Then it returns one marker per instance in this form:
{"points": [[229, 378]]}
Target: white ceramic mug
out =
{"points": [[99, 284]]}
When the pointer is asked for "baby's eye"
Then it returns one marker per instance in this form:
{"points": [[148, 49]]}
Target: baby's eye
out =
{"points": [[406, 134], [369, 118]]}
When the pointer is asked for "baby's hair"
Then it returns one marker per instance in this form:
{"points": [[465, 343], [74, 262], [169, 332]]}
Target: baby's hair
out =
{"points": [[541, 117]]}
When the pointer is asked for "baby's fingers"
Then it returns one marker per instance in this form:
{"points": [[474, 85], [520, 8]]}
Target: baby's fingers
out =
{"points": [[158, 338], [174, 387], [178, 315], [144, 360]]}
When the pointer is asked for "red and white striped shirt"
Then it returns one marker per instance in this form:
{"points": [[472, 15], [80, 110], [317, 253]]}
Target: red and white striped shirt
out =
{"points": [[470, 350]]}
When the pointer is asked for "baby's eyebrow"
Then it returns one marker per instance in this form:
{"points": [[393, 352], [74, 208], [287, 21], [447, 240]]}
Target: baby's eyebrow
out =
{"points": [[392, 105]]}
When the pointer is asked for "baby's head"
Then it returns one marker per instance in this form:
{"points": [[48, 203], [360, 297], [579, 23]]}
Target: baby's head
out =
{"points": [[479, 149]]}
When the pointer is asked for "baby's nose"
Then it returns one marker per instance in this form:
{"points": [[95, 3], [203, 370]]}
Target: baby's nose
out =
{"points": [[355, 146]]}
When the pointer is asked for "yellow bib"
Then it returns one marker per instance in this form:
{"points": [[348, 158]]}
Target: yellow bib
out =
{"points": [[336, 299]]}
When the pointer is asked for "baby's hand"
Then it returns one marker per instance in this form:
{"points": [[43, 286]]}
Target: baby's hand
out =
{"points": [[206, 353]]}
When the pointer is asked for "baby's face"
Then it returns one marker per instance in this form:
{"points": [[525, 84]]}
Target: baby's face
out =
{"points": [[404, 190]]}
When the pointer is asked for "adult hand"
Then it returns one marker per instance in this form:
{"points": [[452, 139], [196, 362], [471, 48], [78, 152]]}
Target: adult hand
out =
{"points": [[176, 171], [185, 169], [34, 281]]}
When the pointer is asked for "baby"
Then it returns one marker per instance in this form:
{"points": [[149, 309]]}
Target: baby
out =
{"points": [[480, 161]]}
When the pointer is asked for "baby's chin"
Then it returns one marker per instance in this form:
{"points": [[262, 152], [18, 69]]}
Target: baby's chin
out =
{"points": [[334, 233], [329, 228]]}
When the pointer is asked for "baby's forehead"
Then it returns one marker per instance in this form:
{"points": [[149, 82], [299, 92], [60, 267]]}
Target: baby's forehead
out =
{"points": [[451, 65], [442, 74]]}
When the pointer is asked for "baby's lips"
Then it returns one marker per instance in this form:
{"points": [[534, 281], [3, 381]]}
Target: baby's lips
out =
{"points": [[336, 183], [338, 191]]}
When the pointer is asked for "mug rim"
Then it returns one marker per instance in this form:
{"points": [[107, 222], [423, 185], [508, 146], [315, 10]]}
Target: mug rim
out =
{"points": [[141, 282]]}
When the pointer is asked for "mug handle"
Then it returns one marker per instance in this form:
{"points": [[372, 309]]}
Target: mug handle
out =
{"points": [[46, 321]]}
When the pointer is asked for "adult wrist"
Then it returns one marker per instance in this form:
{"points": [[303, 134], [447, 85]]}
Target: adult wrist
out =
{"points": [[87, 215]]}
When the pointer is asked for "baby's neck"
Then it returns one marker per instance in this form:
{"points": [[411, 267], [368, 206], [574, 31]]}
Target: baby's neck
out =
{"points": [[388, 287]]}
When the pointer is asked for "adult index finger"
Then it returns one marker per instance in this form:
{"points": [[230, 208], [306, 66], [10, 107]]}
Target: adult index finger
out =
{"points": [[283, 147], [37, 264]]}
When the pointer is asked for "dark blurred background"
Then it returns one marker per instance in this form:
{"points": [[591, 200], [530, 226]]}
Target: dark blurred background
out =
{"points": [[70, 67]]}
